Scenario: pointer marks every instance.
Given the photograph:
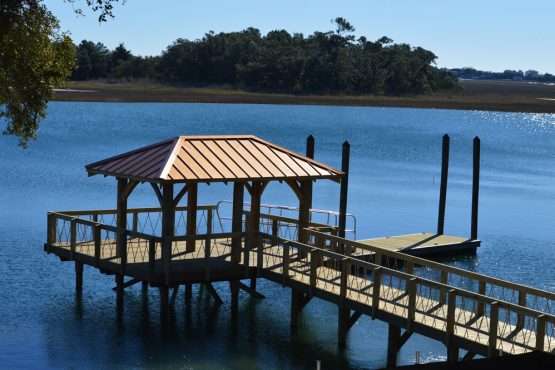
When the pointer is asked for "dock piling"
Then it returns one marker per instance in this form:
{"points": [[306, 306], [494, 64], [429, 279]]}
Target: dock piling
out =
{"points": [[343, 189], [475, 188], [443, 185], [78, 276]]}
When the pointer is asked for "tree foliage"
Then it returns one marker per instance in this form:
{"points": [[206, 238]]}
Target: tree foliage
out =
{"points": [[324, 62], [34, 57]]}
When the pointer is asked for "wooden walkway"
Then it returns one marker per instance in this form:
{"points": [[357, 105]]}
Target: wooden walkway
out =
{"points": [[462, 309]]}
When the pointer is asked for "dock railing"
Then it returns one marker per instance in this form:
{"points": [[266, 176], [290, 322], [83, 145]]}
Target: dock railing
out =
{"points": [[494, 288], [418, 302], [106, 246], [421, 295]]}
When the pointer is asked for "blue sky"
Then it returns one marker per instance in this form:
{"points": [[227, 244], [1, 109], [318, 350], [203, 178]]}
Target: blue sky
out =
{"points": [[487, 34]]}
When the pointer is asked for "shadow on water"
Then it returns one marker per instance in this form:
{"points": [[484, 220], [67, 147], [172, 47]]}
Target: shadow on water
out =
{"points": [[194, 334]]}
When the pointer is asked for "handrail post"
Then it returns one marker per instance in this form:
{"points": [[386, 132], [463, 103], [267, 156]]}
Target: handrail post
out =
{"points": [[493, 325], [122, 248], [247, 247], [275, 227], [51, 231], [135, 221], [97, 232], [260, 255], [481, 306], [376, 291], [443, 279], [522, 303], [73, 238], [540, 332], [450, 325], [208, 240], [314, 264], [345, 272], [286, 262], [443, 185], [152, 259], [411, 287]]}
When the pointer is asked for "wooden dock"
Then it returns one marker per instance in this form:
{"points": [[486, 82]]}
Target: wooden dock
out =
{"points": [[426, 245], [174, 245], [464, 310]]}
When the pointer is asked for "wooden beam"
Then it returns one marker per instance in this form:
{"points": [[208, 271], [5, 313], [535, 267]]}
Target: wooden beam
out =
{"points": [[443, 185], [475, 188], [344, 186], [181, 193], [294, 185], [468, 356], [132, 184], [250, 290], [127, 284], [213, 293], [192, 202]]}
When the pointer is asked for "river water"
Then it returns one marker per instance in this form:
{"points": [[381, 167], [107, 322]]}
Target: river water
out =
{"points": [[394, 185]]}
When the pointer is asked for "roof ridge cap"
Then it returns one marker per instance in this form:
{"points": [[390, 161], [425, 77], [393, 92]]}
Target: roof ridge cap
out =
{"points": [[168, 161]]}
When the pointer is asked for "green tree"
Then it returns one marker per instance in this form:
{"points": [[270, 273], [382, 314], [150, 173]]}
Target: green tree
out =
{"points": [[34, 58]]}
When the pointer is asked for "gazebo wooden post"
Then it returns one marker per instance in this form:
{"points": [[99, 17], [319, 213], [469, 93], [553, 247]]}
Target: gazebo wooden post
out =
{"points": [[254, 242], [168, 222], [237, 220], [121, 238], [236, 227], [192, 202], [344, 189]]}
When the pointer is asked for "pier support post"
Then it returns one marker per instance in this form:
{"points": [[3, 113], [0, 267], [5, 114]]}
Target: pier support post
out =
{"points": [[343, 190], [452, 353], [164, 300], [144, 286], [343, 326], [234, 288], [298, 301], [188, 292], [119, 290], [443, 185], [475, 188], [78, 276], [393, 344]]}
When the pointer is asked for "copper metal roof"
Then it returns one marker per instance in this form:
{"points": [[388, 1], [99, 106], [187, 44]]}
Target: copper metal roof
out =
{"points": [[212, 158]]}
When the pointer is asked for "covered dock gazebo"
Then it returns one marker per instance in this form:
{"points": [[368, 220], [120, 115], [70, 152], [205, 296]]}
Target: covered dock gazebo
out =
{"points": [[175, 167]]}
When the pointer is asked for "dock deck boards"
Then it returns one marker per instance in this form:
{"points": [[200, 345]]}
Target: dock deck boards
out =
{"points": [[422, 244]]}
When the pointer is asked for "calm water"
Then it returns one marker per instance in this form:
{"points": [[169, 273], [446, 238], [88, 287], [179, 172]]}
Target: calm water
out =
{"points": [[394, 184]]}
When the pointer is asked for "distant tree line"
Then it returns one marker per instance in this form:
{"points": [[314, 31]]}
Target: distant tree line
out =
{"points": [[508, 74], [324, 62]]}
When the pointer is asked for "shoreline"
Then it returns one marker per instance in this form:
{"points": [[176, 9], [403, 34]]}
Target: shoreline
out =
{"points": [[503, 96]]}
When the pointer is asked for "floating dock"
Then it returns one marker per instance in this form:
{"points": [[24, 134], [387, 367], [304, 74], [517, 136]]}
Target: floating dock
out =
{"points": [[426, 245]]}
